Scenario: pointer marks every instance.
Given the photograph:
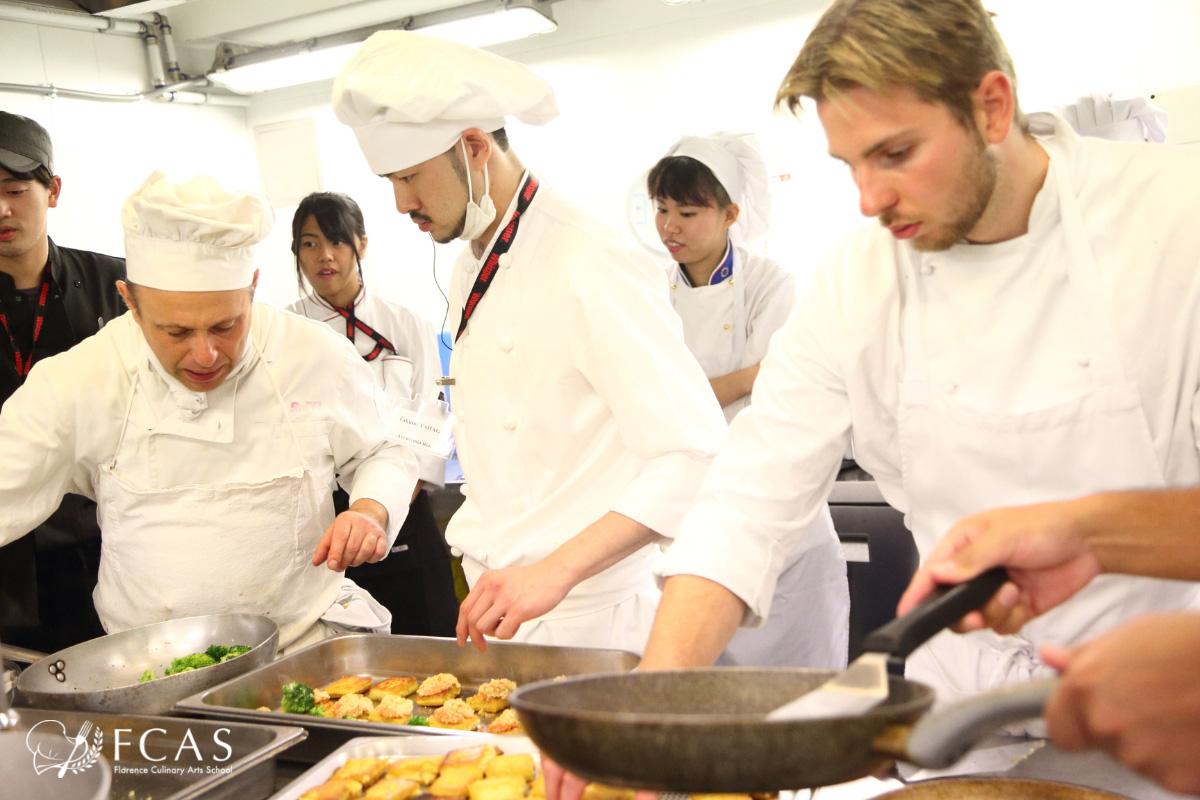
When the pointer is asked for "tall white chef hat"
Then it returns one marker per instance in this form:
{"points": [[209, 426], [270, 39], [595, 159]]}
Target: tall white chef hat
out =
{"points": [[736, 160], [1130, 119], [192, 237], [409, 97]]}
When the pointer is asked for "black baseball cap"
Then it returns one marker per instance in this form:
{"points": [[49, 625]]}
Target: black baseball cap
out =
{"points": [[24, 144]]}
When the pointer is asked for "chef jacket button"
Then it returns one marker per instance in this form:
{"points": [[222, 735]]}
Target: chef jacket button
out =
{"points": [[471, 268], [951, 387], [482, 557], [505, 260], [510, 424], [517, 505], [1085, 360], [78, 283], [506, 343], [927, 269], [674, 286], [726, 327]]}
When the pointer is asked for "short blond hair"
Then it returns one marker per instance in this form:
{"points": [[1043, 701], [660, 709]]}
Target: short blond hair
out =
{"points": [[941, 49]]}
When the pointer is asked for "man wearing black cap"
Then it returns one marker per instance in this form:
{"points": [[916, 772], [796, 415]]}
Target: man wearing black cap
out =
{"points": [[51, 298]]}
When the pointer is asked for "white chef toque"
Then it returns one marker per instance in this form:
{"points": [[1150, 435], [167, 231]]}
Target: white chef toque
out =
{"points": [[1128, 119], [736, 160], [192, 237], [409, 97]]}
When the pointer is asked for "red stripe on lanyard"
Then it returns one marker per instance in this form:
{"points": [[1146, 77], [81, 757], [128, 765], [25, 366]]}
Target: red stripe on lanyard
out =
{"points": [[353, 322], [23, 364], [503, 243]]}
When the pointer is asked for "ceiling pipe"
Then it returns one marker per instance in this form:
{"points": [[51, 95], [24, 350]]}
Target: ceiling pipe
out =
{"points": [[73, 20], [173, 93]]}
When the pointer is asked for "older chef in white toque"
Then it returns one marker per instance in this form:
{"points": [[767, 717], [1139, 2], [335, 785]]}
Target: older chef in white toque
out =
{"points": [[209, 430], [584, 425]]}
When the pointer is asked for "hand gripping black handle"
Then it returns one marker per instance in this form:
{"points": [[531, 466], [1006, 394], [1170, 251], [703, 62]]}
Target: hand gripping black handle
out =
{"points": [[946, 606]]}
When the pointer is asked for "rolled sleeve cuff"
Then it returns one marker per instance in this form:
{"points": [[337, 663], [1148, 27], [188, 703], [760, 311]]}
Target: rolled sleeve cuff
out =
{"points": [[389, 482], [667, 486]]}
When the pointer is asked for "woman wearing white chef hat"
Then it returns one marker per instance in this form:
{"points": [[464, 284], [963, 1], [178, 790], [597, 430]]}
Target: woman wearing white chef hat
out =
{"points": [[583, 424], [209, 430], [712, 202]]}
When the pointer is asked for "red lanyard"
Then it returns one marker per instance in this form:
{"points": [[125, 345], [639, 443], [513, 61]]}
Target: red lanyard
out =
{"points": [[353, 322], [24, 364], [488, 271]]}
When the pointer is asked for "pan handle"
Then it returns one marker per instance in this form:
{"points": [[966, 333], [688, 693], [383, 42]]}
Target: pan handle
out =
{"points": [[20, 655], [943, 737], [934, 614]]}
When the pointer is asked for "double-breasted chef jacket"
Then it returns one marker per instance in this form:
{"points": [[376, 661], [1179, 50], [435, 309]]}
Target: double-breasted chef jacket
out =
{"points": [[105, 420], [727, 325], [411, 370], [575, 396], [1060, 363]]}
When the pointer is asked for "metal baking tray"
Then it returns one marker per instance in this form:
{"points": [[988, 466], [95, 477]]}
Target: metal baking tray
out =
{"points": [[172, 758], [391, 747], [383, 656]]}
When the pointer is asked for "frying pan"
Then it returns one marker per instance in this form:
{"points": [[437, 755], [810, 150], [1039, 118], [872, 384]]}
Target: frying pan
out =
{"points": [[705, 730], [102, 674]]}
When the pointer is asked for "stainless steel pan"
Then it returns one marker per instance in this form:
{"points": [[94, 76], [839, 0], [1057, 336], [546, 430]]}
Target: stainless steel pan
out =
{"points": [[102, 674]]}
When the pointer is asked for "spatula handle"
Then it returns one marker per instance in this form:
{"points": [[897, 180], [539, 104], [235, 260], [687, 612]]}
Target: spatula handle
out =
{"points": [[946, 606]]}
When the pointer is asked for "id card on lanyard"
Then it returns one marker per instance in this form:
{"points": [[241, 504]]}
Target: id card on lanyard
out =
{"points": [[25, 363]]}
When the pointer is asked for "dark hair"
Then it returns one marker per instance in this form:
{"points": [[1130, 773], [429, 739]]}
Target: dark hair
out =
{"points": [[340, 220], [40, 173], [687, 181]]}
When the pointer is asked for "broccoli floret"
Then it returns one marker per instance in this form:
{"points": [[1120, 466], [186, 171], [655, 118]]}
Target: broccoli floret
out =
{"points": [[216, 651], [297, 698], [316, 711], [419, 721], [189, 663], [234, 652], [148, 675]]}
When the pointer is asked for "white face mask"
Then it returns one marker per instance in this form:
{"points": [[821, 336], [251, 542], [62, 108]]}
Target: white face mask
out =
{"points": [[479, 215]]}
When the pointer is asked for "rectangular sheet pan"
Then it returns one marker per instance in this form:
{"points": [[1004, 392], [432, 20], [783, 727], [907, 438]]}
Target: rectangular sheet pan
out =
{"points": [[382, 656], [173, 758], [391, 747]]}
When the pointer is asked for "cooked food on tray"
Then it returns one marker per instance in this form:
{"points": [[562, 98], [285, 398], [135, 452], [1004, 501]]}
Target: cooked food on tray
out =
{"points": [[437, 689], [454, 714], [400, 686], [391, 700], [481, 772], [492, 696], [506, 722], [215, 654], [350, 684]]}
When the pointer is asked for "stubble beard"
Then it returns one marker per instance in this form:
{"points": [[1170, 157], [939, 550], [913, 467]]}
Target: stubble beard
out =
{"points": [[974, 190]]}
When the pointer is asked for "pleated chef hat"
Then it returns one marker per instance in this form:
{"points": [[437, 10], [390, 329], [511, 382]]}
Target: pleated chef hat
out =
{"points": [[192, 237], [736, 160], [409, 97], [1130, 119]]}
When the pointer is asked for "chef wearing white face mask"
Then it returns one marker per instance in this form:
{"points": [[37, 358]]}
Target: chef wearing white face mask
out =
{"points": [[712, 203], [209, 430], [583, 424]]}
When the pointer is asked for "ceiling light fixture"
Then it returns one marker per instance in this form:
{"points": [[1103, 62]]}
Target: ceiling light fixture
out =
{"points": [[477, 24]]}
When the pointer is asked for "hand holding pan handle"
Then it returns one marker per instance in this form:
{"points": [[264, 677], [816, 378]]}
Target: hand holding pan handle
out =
{"points": [[942, 738], [939, 611]]}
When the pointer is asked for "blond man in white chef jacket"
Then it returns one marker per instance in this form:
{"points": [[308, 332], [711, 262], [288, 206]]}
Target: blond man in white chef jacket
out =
{"points": [[584, 425], [1023, 326], [712, 205], [209, 430]]}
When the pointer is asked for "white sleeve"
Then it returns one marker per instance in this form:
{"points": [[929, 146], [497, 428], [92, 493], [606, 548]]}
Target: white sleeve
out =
{"points": [[779, 461], [367, 464], [628, 342], [770, 304]]}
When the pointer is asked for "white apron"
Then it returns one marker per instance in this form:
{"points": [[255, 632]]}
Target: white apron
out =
{"points": [[215, 548], [810, 611], [957, 461]]}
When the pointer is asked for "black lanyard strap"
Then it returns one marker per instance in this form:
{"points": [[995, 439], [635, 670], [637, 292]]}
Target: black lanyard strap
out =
{"points": [[503, 243], [39, 318], [353, 323]]}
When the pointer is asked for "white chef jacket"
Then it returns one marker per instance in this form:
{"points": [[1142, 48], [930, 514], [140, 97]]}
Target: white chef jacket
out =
{"points": [[574, 396], [64, 423], [838, 362], [404, 374], [727, 327]]}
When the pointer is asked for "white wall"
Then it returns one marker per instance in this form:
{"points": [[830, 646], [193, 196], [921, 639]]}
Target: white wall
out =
{"points": [[103, 151], [628, 90]]}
